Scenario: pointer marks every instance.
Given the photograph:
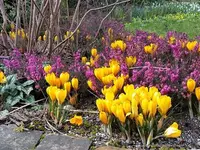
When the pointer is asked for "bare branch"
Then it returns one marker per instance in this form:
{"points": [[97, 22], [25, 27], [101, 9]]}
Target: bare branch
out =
{"points": [[17, 21]]}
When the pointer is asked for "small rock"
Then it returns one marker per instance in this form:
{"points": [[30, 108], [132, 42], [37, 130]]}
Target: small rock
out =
{"points": [[69, 107], [61, 142]]}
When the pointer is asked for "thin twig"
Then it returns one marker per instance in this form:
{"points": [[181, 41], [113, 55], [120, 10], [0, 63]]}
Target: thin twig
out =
{"points": [[17, 22], [26, 105], [102, 23], [140, 67], [82, 111], [40, 12], [92, 93], [4, 57], [105, 18], [52, 127]]}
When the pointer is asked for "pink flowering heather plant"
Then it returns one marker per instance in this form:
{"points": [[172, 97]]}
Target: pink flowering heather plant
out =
{"points": [[164, 62], [31, 66]]}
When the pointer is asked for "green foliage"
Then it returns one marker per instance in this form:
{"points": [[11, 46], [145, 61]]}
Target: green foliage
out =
{"points": [[188, 23], [13, 91]]}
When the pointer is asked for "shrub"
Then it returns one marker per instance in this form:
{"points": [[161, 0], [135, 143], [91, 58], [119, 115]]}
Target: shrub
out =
{"points": [[14, 91]]}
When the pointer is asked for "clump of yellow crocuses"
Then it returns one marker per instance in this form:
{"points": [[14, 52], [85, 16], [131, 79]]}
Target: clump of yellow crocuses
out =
{"points": [[59, 89], [144, 107], [93, 59]]}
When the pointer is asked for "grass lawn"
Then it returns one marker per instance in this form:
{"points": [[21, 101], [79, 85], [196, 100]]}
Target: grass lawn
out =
{"points": [[188, 23]]}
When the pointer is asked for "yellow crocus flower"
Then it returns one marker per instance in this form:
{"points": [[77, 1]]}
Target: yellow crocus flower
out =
{"points": [[191, 45], [12, 35], [191, 85], [150, 48], [67, 86], [77, 120], [94, 52], [75, 83], [144, 106], [152, 91], [64, 77], [2, 78], [69, 33], [96, 58], [108, 105], [50, 78], [40, 38], [100, 104], [110, 33], [103, 117], [90, 84], [44, 37], [47, 69], [197, 93], [19, 32], [140, 119], [127, 107], [51, 91], [109, 96], [114, 89], [119, 82], [107, 80], [92, 62], [172, 131], [84, 60], [73, 99], [130, 61], [152, 108], [128, 88], [118, 44], [156, 96], [56, 38], [23, 34], [12, 25], [164, 103], [88, 37], [114, 108], [61, 95], [134, 108], [120, 113], [123, 97], [99, 73], [172, 40], [57, 82], [113, 62], [115, 69]]}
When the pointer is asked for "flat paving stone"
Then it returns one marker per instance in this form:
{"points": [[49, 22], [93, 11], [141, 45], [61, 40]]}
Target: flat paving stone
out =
{"points": [[11, 140], [61, 142], [111, 148]]}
